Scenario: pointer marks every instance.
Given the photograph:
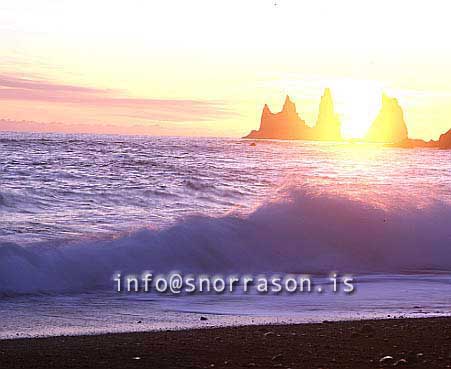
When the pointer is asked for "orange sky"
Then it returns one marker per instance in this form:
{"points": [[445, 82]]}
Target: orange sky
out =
{"points": [[207, 67]]}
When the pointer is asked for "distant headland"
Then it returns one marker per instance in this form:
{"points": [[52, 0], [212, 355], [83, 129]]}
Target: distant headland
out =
{"points": [[389, 126]]}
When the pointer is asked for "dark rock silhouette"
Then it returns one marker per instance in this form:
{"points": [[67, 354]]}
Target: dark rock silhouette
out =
{"points": [[389, 125], [287, 125], [444, 141], [410, 143]]}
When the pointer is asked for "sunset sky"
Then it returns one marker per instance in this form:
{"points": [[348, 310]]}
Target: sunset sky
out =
{"points": [[206, 67]]}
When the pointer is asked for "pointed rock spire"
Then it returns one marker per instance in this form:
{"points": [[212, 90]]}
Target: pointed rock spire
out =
{"points": [[285, 125], [288, 125], [266, 110], [328, 126], [265, 118], [289, 106], [389, 125]]}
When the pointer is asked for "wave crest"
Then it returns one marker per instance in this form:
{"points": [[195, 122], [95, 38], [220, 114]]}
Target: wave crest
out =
{"points": [[298, 232]]}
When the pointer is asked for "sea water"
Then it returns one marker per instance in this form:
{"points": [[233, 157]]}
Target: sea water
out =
{"points": [[74, 209]]}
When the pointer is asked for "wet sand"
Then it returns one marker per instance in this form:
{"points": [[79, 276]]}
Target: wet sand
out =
{"points": [[412, 343]]}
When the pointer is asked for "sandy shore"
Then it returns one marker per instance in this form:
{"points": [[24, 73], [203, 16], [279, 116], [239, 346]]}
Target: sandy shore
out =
{"points": [[413, 343]]}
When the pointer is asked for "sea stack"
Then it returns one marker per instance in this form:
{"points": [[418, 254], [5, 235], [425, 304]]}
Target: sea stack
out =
{"points": [[389, 126], [285, 125], [328, 126]]}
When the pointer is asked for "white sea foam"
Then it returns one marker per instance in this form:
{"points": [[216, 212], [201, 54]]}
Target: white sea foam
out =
{"points": [[297, 232]]}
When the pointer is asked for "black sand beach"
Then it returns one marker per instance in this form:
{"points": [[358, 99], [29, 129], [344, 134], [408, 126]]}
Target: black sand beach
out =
{"points": [[412, 343]]}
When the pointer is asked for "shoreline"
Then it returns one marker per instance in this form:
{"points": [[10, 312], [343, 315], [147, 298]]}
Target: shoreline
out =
{"points": [[414, 342]]}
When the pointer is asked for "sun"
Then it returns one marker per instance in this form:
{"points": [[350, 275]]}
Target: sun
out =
{"points": [[357, 102]]}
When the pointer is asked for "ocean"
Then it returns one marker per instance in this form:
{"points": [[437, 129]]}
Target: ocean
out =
{"points": [[75, 209]]}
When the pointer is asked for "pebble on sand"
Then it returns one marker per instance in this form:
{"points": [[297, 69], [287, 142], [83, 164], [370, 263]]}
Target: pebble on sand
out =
{"points": [[386, 360]]}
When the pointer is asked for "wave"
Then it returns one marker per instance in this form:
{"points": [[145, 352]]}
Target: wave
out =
{"points": [[299, 231]]}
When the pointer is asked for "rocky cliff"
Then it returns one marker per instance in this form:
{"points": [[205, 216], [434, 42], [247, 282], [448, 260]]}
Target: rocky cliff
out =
{"points": [[444, 141]]}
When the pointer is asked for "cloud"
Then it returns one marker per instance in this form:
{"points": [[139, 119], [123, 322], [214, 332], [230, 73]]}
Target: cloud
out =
{"points": [[153, 129], [113, 102], [15, 82]]}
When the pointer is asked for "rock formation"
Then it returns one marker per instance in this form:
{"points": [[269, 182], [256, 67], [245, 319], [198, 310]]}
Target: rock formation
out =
{"points": [[328, 126], [410, 143], [389, 125], [444, 141], [287, 125]]}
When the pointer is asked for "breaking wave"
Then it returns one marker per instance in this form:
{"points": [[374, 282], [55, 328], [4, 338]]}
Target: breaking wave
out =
{"points": [[298, 232]]}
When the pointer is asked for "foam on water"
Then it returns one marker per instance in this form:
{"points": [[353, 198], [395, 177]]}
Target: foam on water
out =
{"points": [[298, 232], [76, 209], [377, 296]]}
